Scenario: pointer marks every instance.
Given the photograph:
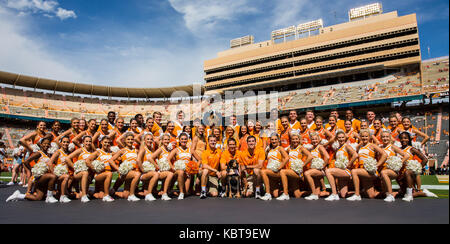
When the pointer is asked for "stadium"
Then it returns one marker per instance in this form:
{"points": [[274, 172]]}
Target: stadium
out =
{"points": [[372, 62]]}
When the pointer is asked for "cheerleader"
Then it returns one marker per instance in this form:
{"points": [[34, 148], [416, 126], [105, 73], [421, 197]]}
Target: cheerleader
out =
{"points": [[377, 129], [34, 137], [131, 179], [44, 183], [366, 151], [407, 126], [160, 154], [411, 177], [243, 135], [102, 131], [182, 155], [277, 158], [147, 131], [83, 125], [388, 174], [59, 158], [341, 176], [91, 131], [218, 134], [313, 176], [102, 178], [323, 133], [296, 152], [304, 132], [229, 134], [151, 177], [118, 131], [56, 130], [188, 130], [394, 128], [260, 142], [284, 133], [81, 155], [351, 134]]}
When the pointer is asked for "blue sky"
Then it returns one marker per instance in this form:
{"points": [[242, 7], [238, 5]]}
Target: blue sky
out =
{"points": [[142, 43]]}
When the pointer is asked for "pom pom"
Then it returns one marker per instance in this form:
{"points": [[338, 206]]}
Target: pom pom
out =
{"points": [[417, 145], [414, 166], [192, 168], [336, 146], [397, 144], [323, 141], [297, 165], [60, 169], [35, 148], [125, 167], [147, 167], [115, 149], [180, 165], [39, 169], [273, 165], [71, 147], [341, 161], [163, 164], [308, 147], [317, 163], [370, 164], [98, 166], [80, 166], [394, 163]]}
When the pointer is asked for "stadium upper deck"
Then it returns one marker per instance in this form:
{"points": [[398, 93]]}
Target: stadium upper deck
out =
{"points": [[360, 49]]}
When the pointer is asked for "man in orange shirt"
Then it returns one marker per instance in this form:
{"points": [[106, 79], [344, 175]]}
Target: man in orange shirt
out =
{"points": [[179, 123], [339, 122], [252, 160], [310, 119], [294, 125], [210, 168], [228, 155], [157, 129], [356, 124]]}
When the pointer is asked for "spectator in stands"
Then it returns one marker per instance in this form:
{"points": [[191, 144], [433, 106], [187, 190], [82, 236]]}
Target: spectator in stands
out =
{"points": [[356, 124]]}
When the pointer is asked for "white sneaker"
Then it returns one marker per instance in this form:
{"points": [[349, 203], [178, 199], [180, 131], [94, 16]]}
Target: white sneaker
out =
{"points": [[51, 199], [267, 197], [429, 193], [408, 198], [14, 196], [332, 197], [64, 199], [150, 198], [25, 186], [283, 197], [108, 198], [181, 196], [354, 198], [133, 198], [203, 195], [10, 183], [257, 195], [20, 183], [389, 198], [85, 199], [312, 197], [165, 197], [223, 194]]}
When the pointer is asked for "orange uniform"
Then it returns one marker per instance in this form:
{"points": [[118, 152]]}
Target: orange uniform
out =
{"points": [[246, 158], [227, 157], [295, 154], [305, 137], [315, 153], [364, 153], [212, 158], [104, 157], [274, 154], [130, 155], [157, 130]]}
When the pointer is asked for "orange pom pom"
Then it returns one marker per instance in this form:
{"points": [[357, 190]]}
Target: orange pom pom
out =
{"points": [[192, 168]]}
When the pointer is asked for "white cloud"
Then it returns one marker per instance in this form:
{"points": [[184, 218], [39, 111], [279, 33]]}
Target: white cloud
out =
{"points": [[65, 14], [47, 7], [24, 55], [204, 15]]}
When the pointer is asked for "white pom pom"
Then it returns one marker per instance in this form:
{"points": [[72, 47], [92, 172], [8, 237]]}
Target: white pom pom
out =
{"points": [[323, 141], [341, 161], [417, 145], [397, 144], [273, 165], [317, 163], [336, 146], [370, 164], [147, 167], [394, 163], [180, 165], [125, 167], [115, 149], [39, 169], [71, 147], [80, 166], [98, 166], [297, 165], [60, 169], [414, 166], [163, 164], [308, 147], [35, 148]]}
